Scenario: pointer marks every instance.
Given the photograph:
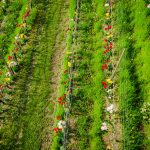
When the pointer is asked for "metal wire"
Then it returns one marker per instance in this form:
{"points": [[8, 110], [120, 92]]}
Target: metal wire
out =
{"points": [[70, 87]]}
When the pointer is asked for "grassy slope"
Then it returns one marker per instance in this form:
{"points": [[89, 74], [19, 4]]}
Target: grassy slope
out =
{"points": [[140, 24], [129, 85], [33, 85], [96, 90], [32, 90]]}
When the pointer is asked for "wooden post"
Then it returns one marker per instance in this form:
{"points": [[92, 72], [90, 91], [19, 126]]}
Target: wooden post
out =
{"points": [[113, 74]]}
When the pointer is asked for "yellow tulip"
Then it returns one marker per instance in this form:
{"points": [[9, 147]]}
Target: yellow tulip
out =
{"points": [[7, 79], [107, 14], [69, 64], [109, 81], [21, 36], [68, 53], [107, 18], [109, 36]]}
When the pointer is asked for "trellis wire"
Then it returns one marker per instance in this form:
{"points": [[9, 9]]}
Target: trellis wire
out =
{"points": [[70, 87]]}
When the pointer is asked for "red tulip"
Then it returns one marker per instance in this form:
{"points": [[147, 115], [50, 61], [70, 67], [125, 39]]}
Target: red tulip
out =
{"points": [[105, 40], [109, 27], [110, 47], [107, 61], [60, 99], [106, 51], [10, 57], [58, 117], [65, 71], [104, 84], [104, 66], [56, 130], [16, 49]]}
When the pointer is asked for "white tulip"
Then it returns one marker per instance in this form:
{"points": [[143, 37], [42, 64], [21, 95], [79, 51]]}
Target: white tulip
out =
{"points": [[104, 126], [8, 74], [106, 5], [61, 124], [148, 6], [12, 64], [110, 108]]}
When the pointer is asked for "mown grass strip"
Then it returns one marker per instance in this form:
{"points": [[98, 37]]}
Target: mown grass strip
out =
{"points": [[97, 76], [140, 25], [129, 87]]}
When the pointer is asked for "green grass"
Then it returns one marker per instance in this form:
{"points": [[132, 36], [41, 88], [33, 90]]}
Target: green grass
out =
{"points": [[129, 86], [97, 90], [140, 24], [32, 89], [25, 121]]}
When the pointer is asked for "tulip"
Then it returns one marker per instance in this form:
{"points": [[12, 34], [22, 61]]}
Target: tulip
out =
{"points": [[104, 126], [148, 6], [105, 40], [106, 5], [110, 108], [109, 81], [10, 57], [109, 27], [56, 130], [104, 66], [104, 84], [107, 61], [60, 99], [69, 64], [58, 117], [65, 71]]}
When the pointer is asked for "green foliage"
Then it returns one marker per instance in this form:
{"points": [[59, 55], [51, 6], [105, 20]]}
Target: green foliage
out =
{"points": [[140, 24], [30, 20], [131, 27]]}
